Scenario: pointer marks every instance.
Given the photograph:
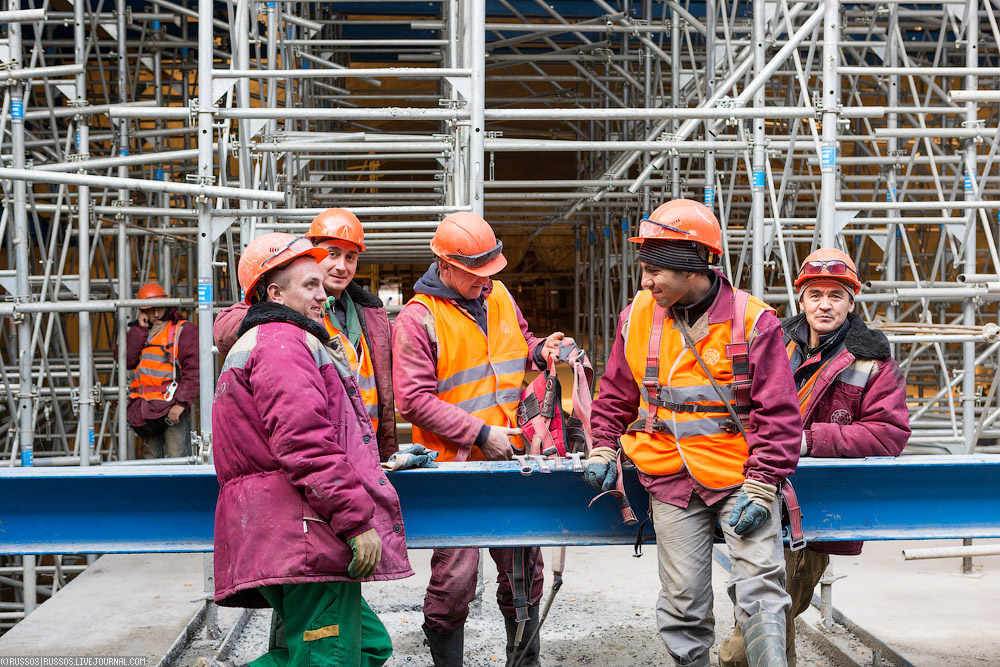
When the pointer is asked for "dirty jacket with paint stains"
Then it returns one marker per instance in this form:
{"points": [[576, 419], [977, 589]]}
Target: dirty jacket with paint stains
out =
{"points": [[297, 463], [857, 406], [374, 323]]}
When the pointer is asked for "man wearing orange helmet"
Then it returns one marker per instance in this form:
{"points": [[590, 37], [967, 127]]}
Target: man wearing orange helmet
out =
{"points": [[852, 396], [305, 512], [162, 353], [696, 393], [460, 350]]}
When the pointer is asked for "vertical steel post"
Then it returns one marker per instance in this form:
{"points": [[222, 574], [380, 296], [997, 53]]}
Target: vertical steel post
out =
{"points": [[675, 98], [85, 382], [711, 11], [831, 104], [476, 61], [124, 265], [891, 261], [759, 155], [971, 181], [206, 174]]}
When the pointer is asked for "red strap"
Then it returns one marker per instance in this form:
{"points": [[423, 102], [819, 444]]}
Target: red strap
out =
{"points": [[628, 516], [738, 351], [651, 380], [796, 539]]}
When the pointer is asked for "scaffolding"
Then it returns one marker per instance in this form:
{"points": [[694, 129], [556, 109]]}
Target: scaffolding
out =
{"points": [[870, 126]]}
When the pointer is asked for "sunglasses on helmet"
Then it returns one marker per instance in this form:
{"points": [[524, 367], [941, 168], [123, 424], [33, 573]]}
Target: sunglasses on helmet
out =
{"points": [[648, 228], [834, 267], [480, 260]]}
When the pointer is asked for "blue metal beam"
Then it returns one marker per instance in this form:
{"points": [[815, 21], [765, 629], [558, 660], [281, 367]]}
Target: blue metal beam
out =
{"points": [[171, 508]]}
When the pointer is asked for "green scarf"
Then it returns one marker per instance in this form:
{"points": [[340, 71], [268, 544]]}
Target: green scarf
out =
{"points": [[353, 331]]}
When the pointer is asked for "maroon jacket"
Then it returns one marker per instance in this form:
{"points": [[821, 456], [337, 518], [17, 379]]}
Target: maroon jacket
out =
{"points": [[775, 432], [298, 472], [857, 407], [374, 323], [414, 373], [139, 410]]}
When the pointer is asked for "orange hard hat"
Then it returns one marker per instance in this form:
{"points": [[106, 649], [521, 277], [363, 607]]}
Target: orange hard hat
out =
{"points": [[337, 223], [831, 264], [683, 220], [268, 252], [151, 291], [467, 241]]}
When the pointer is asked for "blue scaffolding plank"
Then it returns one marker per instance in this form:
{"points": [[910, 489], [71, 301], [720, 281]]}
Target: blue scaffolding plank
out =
{"points": [[171, 508]]}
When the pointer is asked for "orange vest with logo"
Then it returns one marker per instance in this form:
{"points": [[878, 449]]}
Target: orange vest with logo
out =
{"points": [[364, 370], [480, 373], [155, 371], [703, 439]]}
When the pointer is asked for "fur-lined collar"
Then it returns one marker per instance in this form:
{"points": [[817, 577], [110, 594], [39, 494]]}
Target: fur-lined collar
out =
{"points": [[361, 296], [265, 311], [861, 341]]}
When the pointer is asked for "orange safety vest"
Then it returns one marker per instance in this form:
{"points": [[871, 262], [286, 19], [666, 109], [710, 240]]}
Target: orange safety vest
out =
{"points": [[364, 370], [157, 368], [480, 373], [693, 428]]}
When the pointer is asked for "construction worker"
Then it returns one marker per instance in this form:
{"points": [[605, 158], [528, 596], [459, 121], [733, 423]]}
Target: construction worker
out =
{"points": [[350, 312], [852, 395], [305, 512], [460, 350], [162, 353], [696, 393]]}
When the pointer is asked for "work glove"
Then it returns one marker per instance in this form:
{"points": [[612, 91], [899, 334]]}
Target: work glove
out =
{"points": [[599, 470], [367, 550], [414, 456], [753, 506], [804, 451]]}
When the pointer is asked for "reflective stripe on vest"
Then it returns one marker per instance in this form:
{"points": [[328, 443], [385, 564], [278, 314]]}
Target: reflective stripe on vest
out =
{"points": [[693, 440], [155, 371], [363, 369], [480, 374]]}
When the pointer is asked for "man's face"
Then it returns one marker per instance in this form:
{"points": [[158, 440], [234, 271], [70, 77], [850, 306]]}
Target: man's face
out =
{"points": [[665, 285], [339, 266], [304, 292], [826, 304], [155, 314], [462, 282]]}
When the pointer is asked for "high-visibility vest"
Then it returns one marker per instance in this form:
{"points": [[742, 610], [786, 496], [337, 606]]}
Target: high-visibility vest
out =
{"points": [[856, 374], [361, 365], [694, 429], [480, 373], [157, 365]]}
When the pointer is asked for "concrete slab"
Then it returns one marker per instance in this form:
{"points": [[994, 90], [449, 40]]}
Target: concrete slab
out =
{"points": [[123, 605], [925, 610]]}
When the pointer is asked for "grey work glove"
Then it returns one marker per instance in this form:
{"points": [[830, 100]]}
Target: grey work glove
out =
{"points": [[367, 550], [753, 506], [599, 470], [414, 456]]}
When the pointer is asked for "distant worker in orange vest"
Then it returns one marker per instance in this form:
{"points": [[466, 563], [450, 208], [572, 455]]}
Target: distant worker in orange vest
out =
{"points": [[853, 400], [162, 353], [460, 349], [697, 392]]}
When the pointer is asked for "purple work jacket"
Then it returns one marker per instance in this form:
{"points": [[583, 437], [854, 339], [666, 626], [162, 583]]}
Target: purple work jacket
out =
{"points": [[298, 470], [775, 432], [374, 323], [857, 406], [139, 410]]}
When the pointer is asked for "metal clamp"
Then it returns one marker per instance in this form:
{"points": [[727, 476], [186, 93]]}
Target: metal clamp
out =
{"points": [[543, 463], [526, 468], [576, 461]]}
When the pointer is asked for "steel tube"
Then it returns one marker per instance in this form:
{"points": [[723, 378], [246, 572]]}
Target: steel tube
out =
{"points": [[952, 552]]}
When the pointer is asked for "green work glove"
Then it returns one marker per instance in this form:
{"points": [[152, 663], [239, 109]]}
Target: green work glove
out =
{"points": [[367, 550]]}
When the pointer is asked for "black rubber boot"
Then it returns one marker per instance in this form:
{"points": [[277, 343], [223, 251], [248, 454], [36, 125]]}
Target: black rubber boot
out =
{"points": [[527, 651], [446, 650], [764, 637]]}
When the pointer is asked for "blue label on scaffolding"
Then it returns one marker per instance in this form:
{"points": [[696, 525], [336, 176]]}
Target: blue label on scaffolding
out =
{"points": [[17, 109], [159, 174], [156, 24], [758, 180], [27, 457], [78, 141], [709, 196], [624, 225], [890, 194], [607, 232], [968, 182], [204, 293], [124, 152], [90, 437], [591, 238], [828, 158]]}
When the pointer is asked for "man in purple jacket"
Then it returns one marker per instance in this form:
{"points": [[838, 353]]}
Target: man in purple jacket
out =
{"points": [[696, 392], [305, 512], [852, 395]]}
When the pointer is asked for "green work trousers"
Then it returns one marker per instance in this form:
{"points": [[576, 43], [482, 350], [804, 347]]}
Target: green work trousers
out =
{"points": [[325, 623]]}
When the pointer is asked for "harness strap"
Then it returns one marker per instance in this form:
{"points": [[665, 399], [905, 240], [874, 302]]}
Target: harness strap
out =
{"points": [[651, 379], [792, 517], [583, 398], [692, 407], [521, 580], [628, 516], [738, 351]]}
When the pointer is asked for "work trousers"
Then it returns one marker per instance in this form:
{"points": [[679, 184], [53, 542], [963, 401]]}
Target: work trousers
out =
{"points": [[684, 540], [172, 443], [803, 571], [326, 623], [454, 573]]}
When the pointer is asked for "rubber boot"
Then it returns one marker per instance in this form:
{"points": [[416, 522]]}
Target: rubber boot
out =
{"points": [[764, 637], [527, 651], [446, 650]]}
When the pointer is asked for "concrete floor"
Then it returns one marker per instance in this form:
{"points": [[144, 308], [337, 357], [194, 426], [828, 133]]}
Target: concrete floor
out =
{"points": [[926, 611]]}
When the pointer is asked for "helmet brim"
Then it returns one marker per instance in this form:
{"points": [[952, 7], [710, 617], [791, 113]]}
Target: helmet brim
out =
{"points": [[496, 265]]}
